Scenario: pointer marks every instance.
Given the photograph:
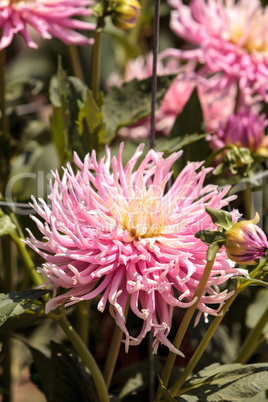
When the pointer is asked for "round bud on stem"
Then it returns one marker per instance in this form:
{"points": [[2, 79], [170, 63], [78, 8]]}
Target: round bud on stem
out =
{"points": [[245, 242], [125, 13]]}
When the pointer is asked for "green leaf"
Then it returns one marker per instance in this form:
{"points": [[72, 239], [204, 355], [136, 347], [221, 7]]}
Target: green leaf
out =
{"points": [[19, 90], [166, 396], [66, 94], [252, 282], [90, 123], [220, 218], [31, 171], [190, 119], [15, 303], [209, 236], [6, 225], [132, 380], [62, 378], [230, 382], [239, 160], [131, 102], [169, 145]]}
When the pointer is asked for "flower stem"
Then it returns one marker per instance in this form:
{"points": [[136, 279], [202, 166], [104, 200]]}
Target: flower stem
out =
{"points": [[83, 352], [176, 389], [3, 120], [112, 355], [75, 61], [252, 340], [29, 264], [95, 61], [113, 352], [185, 323], [154, 75], [83, 319]]}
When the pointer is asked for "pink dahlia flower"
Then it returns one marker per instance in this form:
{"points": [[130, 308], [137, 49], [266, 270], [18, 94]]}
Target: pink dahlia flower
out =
{"points": [[246, 129], [230, 36], [125, 234], [48, 17], [246, 242], [217, 102], [174, 100]]}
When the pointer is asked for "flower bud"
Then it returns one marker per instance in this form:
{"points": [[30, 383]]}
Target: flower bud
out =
{"points": [[245, 242], [125, 13]]}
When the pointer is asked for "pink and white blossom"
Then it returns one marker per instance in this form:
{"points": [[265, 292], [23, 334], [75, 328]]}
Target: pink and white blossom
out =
{"points": [[48, 17], [125, 234]]}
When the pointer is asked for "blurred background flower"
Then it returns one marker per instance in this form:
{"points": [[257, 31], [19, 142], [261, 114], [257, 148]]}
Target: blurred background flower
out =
{"points": [[49, 18], [228, 36]]}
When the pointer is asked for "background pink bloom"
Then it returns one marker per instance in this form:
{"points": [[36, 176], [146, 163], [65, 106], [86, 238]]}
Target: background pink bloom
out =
{"points": [[123, 234], [246, 128], [48, 17], [174, 100], [217, 102], [230, 36]]}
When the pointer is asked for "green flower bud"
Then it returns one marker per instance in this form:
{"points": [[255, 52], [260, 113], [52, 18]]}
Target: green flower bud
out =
{"points": [[125, 13]]}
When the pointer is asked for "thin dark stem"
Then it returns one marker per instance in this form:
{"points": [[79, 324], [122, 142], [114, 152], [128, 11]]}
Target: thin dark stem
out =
{"points": [[152, 141], [95, 62], [154, 73], [3, 119]]}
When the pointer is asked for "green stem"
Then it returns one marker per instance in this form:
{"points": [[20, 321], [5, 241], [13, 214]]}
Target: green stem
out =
{"points": [[4, 130], [75, 61], [29, 264], [84, 354], [3, 120], [185, 323], [113, 352], [7, 266], [112, 355], [176, 389], [82, 316], [95, 61], [252, 341]]}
